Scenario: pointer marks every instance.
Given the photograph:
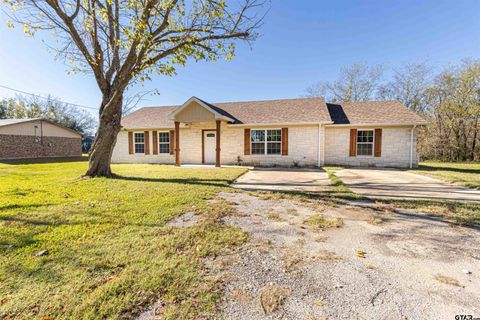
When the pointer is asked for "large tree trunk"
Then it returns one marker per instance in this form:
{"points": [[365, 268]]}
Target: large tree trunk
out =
{"points": [[105, 138]]}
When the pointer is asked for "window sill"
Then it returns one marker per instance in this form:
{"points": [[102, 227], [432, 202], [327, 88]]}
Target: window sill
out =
{"points": [[154, 155]]}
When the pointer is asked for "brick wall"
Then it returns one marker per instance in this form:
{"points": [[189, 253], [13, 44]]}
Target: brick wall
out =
{"points": [[21, 146], [302, 147], [395, 148]]}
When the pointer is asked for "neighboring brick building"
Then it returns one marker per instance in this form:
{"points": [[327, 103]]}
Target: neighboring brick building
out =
{"points": [[289, 132], [37, 138]]}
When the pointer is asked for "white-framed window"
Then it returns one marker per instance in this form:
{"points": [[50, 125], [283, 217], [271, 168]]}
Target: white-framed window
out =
{"points": [[139, 142], [365, 142], [164, 142], [266, 142]]}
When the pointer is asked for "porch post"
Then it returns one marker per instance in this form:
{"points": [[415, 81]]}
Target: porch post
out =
{"points": [[217, 149], [177, 143]]}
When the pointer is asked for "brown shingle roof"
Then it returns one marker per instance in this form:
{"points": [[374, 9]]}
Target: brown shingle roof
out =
{"points": [[302, 110], [278, 111], [373, 112], [149, 117]]}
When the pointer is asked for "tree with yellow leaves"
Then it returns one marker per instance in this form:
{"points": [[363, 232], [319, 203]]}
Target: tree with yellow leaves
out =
{"points": [[122, 42]]}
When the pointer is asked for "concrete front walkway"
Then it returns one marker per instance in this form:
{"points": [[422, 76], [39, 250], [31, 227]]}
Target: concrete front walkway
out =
{"points": [[398, 184], [283, 179]]}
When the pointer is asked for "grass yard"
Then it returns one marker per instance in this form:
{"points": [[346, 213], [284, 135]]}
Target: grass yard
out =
{"points": [[465, 173], [108, 251]]}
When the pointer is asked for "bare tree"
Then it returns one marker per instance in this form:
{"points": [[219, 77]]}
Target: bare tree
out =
{"points": [[357, 82], [409, 85], [121, 42], [453, 133], [131, 101], [50, 108]]}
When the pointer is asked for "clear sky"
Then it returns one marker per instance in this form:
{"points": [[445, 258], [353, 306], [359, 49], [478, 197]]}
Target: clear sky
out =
{"points": [[302, 42]]}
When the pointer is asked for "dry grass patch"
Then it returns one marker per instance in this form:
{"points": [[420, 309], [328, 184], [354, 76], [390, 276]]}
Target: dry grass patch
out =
{"points": [[320, 238], [326, 255], [272, 297], [273, 216], [293, 259], [376, 220], [318, 221], [292, 211], [360, 253], [262, 245], [216, 210], [447, 280], [224, 262], [241, 296], [268, 195]]}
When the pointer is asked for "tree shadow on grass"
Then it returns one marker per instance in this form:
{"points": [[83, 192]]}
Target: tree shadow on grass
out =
{"points": [[194, 181], [45, 160], [24, 206], [426, 167]]}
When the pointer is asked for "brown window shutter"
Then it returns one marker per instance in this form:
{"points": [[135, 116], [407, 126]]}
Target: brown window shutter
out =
{"points": [[155, 142], [147, 142], [353, 142], [378, 143], [246, 142], [130, 142], [172, 141], [284, 141]]}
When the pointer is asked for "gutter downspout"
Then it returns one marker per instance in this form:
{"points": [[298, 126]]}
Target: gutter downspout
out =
{"points": [[411, 146], [319, 141], [41, 139]]}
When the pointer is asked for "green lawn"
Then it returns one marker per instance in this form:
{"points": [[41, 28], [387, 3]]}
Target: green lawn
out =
{"points": [[108, 251], [466, 173]]}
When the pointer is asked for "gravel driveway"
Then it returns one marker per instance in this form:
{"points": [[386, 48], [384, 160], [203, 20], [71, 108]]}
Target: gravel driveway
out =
{"points": [[379, 265]]}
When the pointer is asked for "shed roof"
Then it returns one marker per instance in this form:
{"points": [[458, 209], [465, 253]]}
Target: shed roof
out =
{"points": [[10, 122]]}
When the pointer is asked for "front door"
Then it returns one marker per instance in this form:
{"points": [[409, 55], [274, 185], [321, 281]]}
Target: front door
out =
{"points": [[209, 141]]}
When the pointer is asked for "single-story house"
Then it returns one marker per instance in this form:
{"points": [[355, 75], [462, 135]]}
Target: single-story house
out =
{"points": [[37, 138], [289, 132]]}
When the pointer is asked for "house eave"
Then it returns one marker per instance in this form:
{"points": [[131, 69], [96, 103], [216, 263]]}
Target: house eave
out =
{"points": [[279, 124], [379, 124]]}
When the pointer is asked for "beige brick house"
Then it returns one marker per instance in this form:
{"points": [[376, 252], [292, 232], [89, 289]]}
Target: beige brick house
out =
{"points": [[290, 132]]}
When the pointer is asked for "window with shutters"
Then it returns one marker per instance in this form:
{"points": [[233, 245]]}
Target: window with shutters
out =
{"points": [[139, 142], [266, 142], [365, 142], [164, 142]]}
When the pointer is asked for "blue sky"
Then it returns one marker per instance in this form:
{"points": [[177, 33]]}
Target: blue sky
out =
{"points": [[302, 42]]}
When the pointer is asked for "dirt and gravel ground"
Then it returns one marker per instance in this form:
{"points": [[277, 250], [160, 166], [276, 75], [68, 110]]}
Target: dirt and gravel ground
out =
{"points": [[378, 265]]}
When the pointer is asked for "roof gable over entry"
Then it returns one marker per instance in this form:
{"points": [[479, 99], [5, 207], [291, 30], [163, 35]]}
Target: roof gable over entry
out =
{"points": [[197, 110]]}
